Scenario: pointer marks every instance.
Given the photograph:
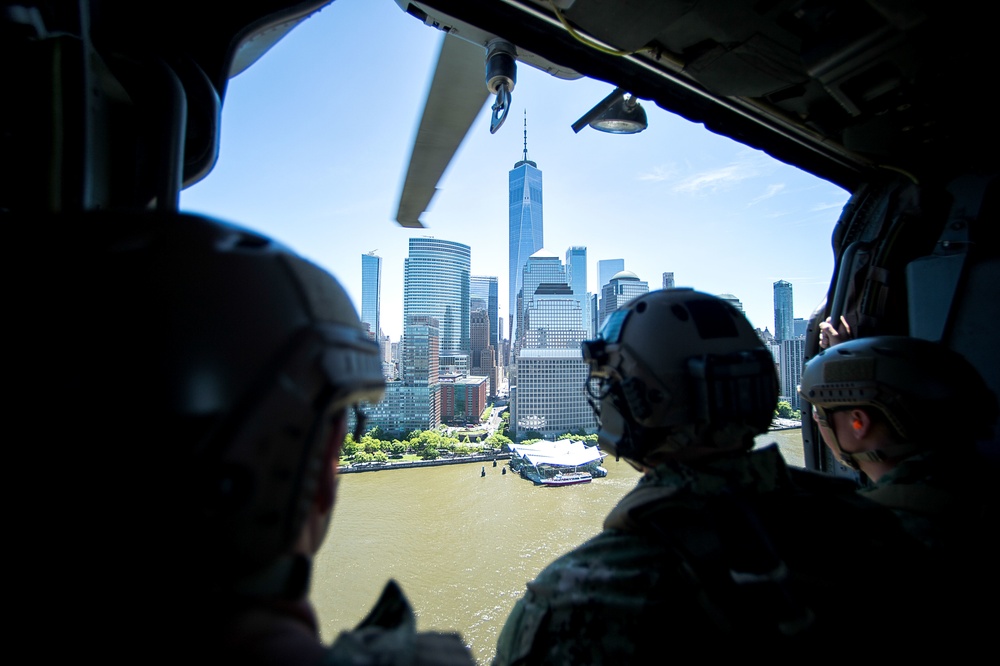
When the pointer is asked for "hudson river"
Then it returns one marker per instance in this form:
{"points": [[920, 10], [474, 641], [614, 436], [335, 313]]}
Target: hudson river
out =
{"points": [[461, 545]]}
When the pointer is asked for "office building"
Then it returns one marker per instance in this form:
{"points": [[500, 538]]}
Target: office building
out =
{"points": [[542, 267], [799, 327], [576, 274], [371, 294], [668, 280], [463, 399], [483, 296], [421, 358], [607, 269], [525, 182], [549, 395], [732, 300], [783, 316], [622, 288], [483, 354], [413, 402], [790, 362], [436, 283]]}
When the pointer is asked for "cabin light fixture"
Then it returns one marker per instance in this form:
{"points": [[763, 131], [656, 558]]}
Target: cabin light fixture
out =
{"points": [[618, 113]]}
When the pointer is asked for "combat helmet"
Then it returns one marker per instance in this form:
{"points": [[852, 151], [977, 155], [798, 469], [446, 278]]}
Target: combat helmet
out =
{"points": [[678, 368], [211, 361], [925, 391]]}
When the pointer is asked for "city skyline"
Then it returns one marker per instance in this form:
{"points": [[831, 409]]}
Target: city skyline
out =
{"points": [[676, 197]]}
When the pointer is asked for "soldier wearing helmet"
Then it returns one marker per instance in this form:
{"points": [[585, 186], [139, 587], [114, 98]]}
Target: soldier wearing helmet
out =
{"points": [[679, 376], [216, 369], [720, 547], [907, 414]]}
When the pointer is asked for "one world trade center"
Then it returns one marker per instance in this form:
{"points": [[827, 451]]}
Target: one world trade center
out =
{"points": [[525, 226]]}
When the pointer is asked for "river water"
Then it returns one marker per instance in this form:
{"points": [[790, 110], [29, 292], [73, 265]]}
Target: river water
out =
{"points": [[461, 545]]}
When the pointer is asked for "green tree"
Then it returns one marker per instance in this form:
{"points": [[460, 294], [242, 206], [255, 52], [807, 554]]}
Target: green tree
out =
{"points": [[784, 410], [430, 453], [350, 447]]}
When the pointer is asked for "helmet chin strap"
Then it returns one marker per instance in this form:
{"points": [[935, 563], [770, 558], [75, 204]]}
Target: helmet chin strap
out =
{"points": [[892, 452]]}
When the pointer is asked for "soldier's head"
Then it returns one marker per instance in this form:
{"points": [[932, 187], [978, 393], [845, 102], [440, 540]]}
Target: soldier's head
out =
{"points": [[216, 370], [679, 373], [880, 399]]}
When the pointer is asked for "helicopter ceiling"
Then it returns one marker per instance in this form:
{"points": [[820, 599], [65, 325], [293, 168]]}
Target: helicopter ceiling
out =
{"points": [[840, 89]]}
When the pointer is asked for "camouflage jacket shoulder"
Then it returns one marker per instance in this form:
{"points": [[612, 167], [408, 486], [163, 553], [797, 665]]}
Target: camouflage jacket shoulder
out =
{"points": [[944, 501], [670, 551], [388, 637]]}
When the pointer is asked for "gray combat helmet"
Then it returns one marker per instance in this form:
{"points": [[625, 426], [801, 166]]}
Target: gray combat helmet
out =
{"points": [[676, 368], [211, 364], [927, 392]]}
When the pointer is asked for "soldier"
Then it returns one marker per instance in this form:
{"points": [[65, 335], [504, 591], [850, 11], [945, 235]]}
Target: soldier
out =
{"points": [[216, 370], [907, 414], [721, 549]]}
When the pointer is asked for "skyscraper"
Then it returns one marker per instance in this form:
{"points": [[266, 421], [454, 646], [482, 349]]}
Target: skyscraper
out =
{"points": [[525, 181], [607, 269], [668, 280], [732, 300], [783, 316], [790, 362], [549, 394], [622, 288], [541, 267], [371, 294], [576, 272], [436, 283], [484, 290]]}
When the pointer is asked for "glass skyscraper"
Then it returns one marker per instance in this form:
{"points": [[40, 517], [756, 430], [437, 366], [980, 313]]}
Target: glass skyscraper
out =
{"points": [[551, 373], [621, 289], [784, 328], [525, 225], [576, 271], [436, 283], [607, 269], [484, 292], [371, 290]]}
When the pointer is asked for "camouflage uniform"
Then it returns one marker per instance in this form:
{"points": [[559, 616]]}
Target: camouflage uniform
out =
{"points": [[389, 636], [659, 580], [933, 500], [287, 633], [946, 501]]}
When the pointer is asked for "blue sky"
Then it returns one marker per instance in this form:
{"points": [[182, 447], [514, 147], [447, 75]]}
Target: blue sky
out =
{"points": [[316, 136]]}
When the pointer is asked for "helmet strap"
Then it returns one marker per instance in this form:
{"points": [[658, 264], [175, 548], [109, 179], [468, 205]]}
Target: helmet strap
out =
{"points": [[893, 452]]}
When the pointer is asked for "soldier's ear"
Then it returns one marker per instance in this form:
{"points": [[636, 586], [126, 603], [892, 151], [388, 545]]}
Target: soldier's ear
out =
{"points": [[861, 423]]}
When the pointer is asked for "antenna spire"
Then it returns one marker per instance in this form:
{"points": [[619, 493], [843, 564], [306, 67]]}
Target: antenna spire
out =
{"points": [[525, 135]]}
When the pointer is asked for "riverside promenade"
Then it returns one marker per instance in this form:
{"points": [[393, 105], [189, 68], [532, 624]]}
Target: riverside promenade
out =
{"points": [[437, 462], [483, 458]]}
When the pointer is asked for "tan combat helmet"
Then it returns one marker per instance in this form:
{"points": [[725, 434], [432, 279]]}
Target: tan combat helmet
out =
{"points": [[927, 392], [678, 368]]}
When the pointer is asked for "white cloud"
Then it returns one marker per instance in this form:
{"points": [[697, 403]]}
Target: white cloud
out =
{"points": [[768, 193], [748, 165], [659, 174]]}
